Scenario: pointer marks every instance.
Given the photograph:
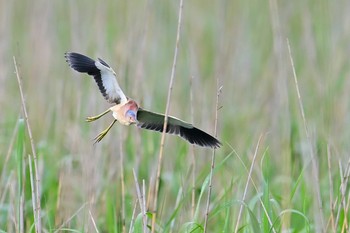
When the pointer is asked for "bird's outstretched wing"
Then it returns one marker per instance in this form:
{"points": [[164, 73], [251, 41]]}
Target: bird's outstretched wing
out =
{"points": [[155, 121], [103, 74]]}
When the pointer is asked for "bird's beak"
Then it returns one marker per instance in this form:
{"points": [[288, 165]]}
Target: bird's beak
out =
{"points": [[133, 116]]}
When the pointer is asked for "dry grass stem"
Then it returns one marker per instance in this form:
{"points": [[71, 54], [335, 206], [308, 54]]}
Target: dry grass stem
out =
{"points": [[344, 177], [21, 200], [212, 166], [177, 203], [337, 199], [141, 201], [144, 203], [346, 211], [316, 185], [32, 185], [247, 183], [122, 141], [256, 189], [330, 190], [12, 141], [93, 221], [160, 157], [133, 217], [193, 192], [70, 218], [5, 189], [37, 180]]}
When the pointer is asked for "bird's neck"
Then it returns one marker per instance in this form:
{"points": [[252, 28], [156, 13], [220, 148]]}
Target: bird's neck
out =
{"points": [[119, 111]]}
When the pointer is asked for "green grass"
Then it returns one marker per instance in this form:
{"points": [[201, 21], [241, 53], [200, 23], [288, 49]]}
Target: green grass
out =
{"points": [[240, 43]]}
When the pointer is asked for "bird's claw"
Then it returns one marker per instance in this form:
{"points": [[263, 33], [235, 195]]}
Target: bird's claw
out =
{"points": [[90, 119], [99, 137]]}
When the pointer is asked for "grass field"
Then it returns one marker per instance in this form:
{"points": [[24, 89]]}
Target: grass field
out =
{"points": [[284, 164]]}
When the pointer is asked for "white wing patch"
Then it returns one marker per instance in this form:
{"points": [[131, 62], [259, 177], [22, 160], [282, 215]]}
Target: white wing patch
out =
{"points": [[110, 83]]}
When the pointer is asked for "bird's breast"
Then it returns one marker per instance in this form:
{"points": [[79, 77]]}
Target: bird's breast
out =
{"points": [[121, 118]]}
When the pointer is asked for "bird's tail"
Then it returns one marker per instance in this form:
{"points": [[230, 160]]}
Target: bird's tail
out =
{"points": [[81, 63]]}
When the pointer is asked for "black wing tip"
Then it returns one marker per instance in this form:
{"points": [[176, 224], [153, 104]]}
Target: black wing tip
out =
{"points": [[81, 63], [192, 135], [215, 144], [67, 56], [200, 138], [209, 142], [71, 56]]}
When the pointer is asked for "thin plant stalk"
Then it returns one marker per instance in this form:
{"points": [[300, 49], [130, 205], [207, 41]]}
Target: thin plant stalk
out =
{"points": [[212, 159], [37, 181], [246, 185], [133, 217], [32, 183], [22, 201], [122, 180], [330, 189], [144, 202], [256, 189], [140, 196], [177, 203], [20, 175], [316, 185], [71, 217], [193, 192], [93, 222], [160, 157], [344, 177], [12, 141], [346, 223]]}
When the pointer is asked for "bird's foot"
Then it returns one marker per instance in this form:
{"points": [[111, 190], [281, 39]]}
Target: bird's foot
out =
{"points": [[94, 118], [100, 136], [91, 119]]}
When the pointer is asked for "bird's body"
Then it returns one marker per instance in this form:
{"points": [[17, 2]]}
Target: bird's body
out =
{"points": [[119, 112], [126, 111]]}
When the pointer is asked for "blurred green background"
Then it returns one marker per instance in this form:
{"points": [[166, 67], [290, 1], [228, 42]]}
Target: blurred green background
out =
{"points": [[239, 45]]}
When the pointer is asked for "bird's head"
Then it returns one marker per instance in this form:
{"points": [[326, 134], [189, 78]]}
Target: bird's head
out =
{"points": [[131, 111]]}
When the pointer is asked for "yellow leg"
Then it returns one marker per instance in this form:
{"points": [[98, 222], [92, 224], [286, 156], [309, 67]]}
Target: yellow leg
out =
{"points": [[101, 135], [94, 118]]}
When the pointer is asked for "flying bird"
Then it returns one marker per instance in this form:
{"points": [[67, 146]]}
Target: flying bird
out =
{"points": [[126, 111]]}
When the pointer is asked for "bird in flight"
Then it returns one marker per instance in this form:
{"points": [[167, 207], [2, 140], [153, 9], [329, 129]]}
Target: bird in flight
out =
{"points": [[126, 111]]}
